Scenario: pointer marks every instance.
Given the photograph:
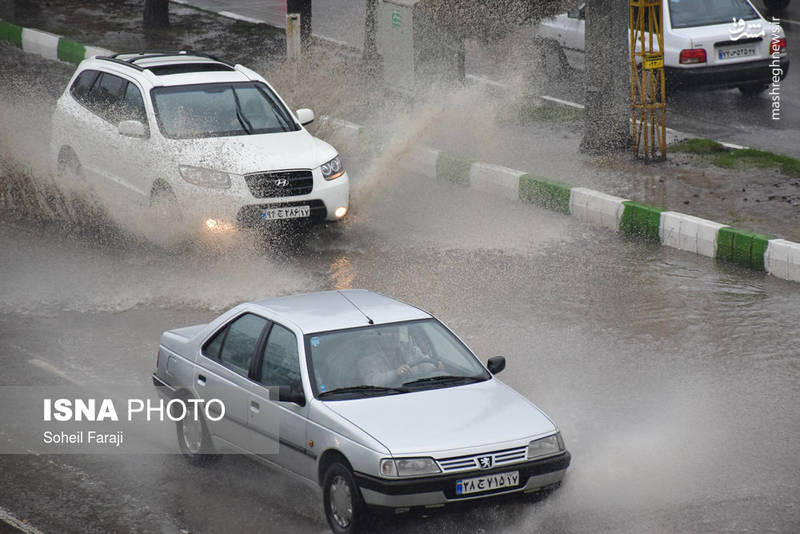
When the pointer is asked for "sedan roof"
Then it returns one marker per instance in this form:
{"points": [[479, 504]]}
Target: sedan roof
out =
{"points": [[335, 310]]}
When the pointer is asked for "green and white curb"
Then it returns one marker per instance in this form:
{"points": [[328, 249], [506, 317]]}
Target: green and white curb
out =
{"points": [[48, 45], [777, 257]]}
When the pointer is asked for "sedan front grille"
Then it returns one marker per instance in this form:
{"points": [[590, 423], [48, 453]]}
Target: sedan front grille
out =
{"points": [[479, 461], [279, 183]]}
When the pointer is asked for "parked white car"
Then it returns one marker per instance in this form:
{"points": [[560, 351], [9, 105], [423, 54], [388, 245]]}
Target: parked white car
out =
{"points": [[372, 399], [195, 135], [707, 43]]}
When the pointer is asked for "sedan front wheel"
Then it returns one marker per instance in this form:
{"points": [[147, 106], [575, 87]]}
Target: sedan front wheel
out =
{"points": [[344, 506]]}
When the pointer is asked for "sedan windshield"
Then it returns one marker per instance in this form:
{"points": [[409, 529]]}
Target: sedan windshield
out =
{"points": [[220, 109], [389, 359], [690, 13]]}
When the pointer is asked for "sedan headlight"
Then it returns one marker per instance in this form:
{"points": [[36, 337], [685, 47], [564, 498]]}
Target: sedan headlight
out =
{"points": [[545, 447], [205, 177], [332, 169], [408, 467]]}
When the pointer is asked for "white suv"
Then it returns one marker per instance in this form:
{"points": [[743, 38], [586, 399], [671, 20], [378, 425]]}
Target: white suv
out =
{"points": [[203, 138]]}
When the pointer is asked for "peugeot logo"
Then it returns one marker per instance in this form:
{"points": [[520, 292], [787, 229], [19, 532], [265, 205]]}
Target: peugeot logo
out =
{"points": [[281, 182], [485, 462]]}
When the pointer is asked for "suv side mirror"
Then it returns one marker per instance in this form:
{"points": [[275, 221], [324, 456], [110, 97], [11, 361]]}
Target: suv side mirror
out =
{"points": [[132, 129], [496, 364], [291, 394], [305, 116]]}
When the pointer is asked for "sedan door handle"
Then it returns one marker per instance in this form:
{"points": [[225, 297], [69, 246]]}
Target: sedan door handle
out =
{"points": [[254, 407], [201, 379]]}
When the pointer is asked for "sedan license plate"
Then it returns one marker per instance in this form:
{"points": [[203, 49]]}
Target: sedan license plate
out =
{"points": [[293, 212], [487, 483], [733, 53]]}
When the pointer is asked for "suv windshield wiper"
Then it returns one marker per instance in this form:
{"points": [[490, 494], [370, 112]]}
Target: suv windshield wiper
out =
{"points": [[443, 379], [246, 126], [362, 389]]}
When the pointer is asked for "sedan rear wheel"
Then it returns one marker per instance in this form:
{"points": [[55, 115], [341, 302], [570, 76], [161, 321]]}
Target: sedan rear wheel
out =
{"points": [[194, 439], [344, 506], [753, 89]]}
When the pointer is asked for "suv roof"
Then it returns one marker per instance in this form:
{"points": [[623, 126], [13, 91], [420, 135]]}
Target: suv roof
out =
{"points": [[161, 63], [334, 310]]}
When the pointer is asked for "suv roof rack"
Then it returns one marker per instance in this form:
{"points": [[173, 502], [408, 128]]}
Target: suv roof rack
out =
{"points": [[148, 54]]}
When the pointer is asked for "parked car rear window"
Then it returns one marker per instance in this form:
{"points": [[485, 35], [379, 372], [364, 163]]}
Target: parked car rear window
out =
{"points": [[219, 109], [690, 13]]}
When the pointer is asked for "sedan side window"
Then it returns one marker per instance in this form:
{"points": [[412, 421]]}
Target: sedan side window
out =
{"points": [[281, 364], [235, 345]]}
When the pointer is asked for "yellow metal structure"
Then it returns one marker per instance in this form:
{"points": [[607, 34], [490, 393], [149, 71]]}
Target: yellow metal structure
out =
{"points": [[648, 99]]}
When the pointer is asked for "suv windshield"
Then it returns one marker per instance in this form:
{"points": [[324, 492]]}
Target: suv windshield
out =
{"points": [[389, 359], [690, 13], [219, 109]]}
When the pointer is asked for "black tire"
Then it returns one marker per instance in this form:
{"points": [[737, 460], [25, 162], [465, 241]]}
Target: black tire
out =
{"points": [[344, 506], [164, 203], [753, 89], [776, 5], [194, 440]]}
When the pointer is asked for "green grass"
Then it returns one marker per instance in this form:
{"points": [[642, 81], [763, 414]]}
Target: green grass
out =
{"points": [[729, 158]]}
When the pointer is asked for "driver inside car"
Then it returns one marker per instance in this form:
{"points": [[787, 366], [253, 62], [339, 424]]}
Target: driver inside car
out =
{"points": [[388, 359]]}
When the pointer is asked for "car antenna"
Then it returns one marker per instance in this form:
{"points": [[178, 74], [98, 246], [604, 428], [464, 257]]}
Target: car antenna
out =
{"points": [[369, 320]]}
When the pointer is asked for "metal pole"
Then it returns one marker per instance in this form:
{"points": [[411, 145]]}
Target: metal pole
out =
{"points": [[293, 40]]}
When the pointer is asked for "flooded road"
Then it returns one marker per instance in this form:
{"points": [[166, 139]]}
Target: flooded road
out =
{"points": [[674, 379]]}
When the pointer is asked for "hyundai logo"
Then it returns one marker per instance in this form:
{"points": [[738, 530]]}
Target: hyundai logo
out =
{"points": [[282, 182], [485, 462]]}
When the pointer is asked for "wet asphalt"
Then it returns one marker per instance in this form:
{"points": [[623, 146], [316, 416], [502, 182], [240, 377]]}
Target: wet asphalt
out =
{"points": [[674, 378]]}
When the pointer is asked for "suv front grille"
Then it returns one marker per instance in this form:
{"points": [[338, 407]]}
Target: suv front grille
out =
{"points": [[471, 462], [280, 183]]}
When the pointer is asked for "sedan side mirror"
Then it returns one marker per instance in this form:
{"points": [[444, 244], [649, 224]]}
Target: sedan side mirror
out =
{"points": [[496, 364], [305, 116], [290, 394], [132, 129]]}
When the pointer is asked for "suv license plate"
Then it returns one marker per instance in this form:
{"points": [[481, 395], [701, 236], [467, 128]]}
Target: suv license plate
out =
{"points": [[487, 483], [293, 212], [733, 53]]}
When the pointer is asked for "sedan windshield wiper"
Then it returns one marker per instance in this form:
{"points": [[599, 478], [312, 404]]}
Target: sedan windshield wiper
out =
{"points": [[443, 379], [362, 389]]}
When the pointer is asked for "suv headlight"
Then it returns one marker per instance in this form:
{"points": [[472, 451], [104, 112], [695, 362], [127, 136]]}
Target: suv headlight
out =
{"points": [[408, 467], [332, 169], [545, 447], [205, 177]]}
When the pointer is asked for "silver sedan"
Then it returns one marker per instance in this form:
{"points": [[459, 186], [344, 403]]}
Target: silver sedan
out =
{"points": [[372, 399]]}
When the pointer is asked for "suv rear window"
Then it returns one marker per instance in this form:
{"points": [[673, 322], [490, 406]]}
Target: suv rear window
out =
{"points": [[111, 97]]}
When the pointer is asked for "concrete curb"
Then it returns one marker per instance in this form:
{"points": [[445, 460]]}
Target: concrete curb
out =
{"points": [[777, 257]]}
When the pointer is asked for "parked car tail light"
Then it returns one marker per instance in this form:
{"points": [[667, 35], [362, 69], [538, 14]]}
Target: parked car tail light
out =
{"points": [[778, 45], [545, 447], [409, 467], [692, 55]]}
